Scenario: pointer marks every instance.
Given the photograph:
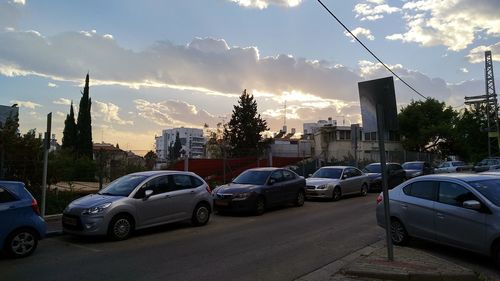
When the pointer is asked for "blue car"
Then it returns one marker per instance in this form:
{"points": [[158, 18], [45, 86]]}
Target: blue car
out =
{"points": [[21, 224]]}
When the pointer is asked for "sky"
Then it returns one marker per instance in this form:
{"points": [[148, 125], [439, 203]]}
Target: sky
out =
{"points": [[155, 65]]}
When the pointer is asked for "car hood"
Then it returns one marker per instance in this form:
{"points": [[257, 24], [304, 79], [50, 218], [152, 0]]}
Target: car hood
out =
{"points": [[235, 188], [94, 200], [320, 181]]}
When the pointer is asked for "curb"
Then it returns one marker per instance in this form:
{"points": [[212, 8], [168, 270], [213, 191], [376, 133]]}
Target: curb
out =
{"points": [[327, 271], [56, 233], [53, 218]]}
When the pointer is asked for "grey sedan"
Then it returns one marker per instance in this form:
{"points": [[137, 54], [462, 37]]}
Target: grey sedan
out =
{"points": [[459, 210], [138, 201], [332, 182]]}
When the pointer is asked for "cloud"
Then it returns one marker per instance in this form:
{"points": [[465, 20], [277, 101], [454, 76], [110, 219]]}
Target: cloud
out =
{"points": [[476, 55], [464, 70], [52, 85], [263, 4], [174, 113], [360, 31], [454, 24], [20, 2], [373, 10], [109, 113], [27, 104], [62, 101]]}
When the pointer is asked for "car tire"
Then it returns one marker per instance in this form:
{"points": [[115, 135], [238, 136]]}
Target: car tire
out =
{"points": [[21, 243], [121, 227], [260, 206], [399, 235], [201, 214], [336, 194], [364, 190], [300, 199]]}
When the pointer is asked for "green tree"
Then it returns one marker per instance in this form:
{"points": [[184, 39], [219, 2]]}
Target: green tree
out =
{"points": [[427, 126], [150, 158], [176, 149], [472, 139], [243, 132], [70, 131], [9, 137], [84, 124]]}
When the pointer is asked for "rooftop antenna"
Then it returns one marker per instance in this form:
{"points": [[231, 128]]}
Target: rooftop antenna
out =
{"points": [[284, 117]]}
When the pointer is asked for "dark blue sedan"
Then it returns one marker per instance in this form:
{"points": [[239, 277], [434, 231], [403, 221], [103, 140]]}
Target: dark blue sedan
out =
{"points": [[21, 225], [257, 189]]}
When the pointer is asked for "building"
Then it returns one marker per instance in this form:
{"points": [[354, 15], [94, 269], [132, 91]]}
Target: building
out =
{"points": [[192, 141], [311, 128]]}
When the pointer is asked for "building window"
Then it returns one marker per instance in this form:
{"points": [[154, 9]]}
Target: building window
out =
{"points": [[344, 135]]}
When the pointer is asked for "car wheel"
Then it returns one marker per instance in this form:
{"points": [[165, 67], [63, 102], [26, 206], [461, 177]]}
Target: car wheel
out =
{"points": [[260, 206], [21, 243], [399, 235], [201, 214], [364, 190], [301, 197], [336, 194], [120, 227]]}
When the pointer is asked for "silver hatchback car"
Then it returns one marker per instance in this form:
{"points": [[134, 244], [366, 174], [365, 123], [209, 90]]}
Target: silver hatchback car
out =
{"points": [[138, 201], [459, 210]]}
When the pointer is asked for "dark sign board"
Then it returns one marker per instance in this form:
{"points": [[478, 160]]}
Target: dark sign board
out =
{"points": [[378, 92]]}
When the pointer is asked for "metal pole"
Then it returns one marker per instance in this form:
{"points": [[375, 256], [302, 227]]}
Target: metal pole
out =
{"points": [[385, 190], [45, 161]]}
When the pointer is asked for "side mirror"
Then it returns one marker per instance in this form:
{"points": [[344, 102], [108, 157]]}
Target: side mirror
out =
{"points": [[309, 175], [147, 194], [344, 176], [472, 204], [271, 181]]}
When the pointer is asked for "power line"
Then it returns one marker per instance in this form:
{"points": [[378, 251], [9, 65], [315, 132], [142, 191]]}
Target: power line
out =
{"points": [[379, 60]]}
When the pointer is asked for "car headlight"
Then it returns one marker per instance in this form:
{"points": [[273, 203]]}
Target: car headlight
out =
{"points": [[324, 186], [243, 195], [96, 210]]}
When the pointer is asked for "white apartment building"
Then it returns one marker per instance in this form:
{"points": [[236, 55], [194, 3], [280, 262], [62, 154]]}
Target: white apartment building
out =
{"points": [[192, 141]]}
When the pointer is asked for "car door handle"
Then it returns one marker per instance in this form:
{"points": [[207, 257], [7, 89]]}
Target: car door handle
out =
{"points": [[440, 216], [167, 196], [192, 192], [404, 206]]}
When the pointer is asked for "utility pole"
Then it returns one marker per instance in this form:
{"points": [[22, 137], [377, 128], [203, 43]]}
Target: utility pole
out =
{"points": [[45, 161]]}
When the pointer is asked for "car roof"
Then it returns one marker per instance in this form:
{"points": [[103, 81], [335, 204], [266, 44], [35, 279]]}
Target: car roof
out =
{"points": [[161, 172], [265, 169], [378, 163], [466, 177], [15, 187], [414, 162], [338, 167]]}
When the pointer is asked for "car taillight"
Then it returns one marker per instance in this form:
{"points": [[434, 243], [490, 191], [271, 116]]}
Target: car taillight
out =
{"points": [[380, 198], [208, 189], [34, 206]]}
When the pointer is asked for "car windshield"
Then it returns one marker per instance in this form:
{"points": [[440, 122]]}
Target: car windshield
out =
{"points": [[372, 168], [252, 177], [489, 189], [329, 173], [413, 166], [123, 186]]}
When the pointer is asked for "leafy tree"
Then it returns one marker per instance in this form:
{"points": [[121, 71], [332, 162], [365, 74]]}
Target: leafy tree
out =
{"points": [[427, 126], [70, 131], [8, 139], [215, 142], [84, 124], [150, 158], [472, 140], [243, 132]]}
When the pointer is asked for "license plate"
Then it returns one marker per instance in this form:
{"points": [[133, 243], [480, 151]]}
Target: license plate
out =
{"points": [[221, 203], [69, 221]]}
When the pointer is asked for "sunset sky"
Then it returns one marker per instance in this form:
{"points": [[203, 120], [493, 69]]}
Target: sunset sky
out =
{"points": [[160, 64]]}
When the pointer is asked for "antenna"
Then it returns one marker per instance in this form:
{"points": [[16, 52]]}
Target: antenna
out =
{"points": [[284, 115]]}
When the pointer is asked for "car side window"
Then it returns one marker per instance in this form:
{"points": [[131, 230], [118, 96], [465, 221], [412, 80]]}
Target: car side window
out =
{"points": [[196, 181], [454, 194], [288, 175], [423, 189], [182, 182], [5, 196], [158, 185], [356, 172], [277, 176]]}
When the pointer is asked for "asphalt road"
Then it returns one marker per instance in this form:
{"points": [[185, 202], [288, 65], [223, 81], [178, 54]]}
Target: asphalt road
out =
{"points": [[282, 244]]}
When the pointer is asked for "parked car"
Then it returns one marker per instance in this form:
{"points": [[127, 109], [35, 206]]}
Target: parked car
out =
{"points": [[333, 182], [21, 225], [459, 210], [487, 164], [452, 167], [417, 168], [140, 200], [395, 175], [260, 188]]}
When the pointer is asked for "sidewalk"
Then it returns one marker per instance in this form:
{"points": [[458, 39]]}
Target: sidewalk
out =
{"points": [[370, 263]]}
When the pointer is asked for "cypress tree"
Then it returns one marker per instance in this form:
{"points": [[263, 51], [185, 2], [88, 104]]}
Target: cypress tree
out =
{"points": [[70, 130], [177, 147], [84, 123]]}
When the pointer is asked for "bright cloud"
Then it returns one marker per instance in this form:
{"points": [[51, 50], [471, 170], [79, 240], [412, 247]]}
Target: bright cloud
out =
{"points": [[52, 85], [109, 113], [20, 2], [454, 24], [464, 70], [27, 104], [373, 10], [476, 55], [360, 31], [62, 101], [262, 4]]}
